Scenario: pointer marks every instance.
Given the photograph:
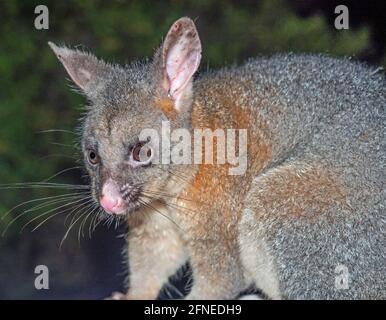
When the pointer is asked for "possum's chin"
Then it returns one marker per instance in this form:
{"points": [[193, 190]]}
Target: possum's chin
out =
{"points": [[127, 209]]}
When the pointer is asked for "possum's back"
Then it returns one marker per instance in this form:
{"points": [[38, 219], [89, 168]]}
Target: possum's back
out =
{"points": [[334, 112], [329, 113], [309, 104], [333, 115]]}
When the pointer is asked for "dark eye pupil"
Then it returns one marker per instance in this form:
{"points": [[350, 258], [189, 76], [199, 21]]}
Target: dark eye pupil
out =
{"points": [[92, 157], [137, 150]]}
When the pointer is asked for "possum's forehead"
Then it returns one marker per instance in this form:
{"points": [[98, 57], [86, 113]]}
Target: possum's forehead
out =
{"points": [[123, 122], [125, 106]]}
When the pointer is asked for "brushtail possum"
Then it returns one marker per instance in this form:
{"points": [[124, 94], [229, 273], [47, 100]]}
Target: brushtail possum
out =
{"points": [[306, 218]]}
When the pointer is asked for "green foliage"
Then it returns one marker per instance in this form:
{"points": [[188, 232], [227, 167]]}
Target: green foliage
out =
{"points": [[34, 95]]}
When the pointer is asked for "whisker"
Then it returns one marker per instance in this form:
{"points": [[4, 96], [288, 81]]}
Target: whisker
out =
{"points": [[148, 205], [179, 173], [51, 210], [81, 226], [110, 221], [113, 218], [85, 205], [69, 229], [58, 155], [48, 218], [161, 193], [66, 209], [15, 219], [92, 223], [118, 222], [172, 205], [33, 185], [179, 207], [183, 177], [174, 174], [97, 220], [46, 204], [63, 144], [56, 130], [60, 172], [35, 200]]}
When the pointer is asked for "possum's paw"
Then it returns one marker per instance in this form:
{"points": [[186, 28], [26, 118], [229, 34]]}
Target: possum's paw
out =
{"points": [[131, 296], [250, 297], [117, 296]]}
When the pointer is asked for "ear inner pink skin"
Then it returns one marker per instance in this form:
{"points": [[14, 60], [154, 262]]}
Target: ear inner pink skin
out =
{"points": [[111, 200], [182, 54], [181, 73]]}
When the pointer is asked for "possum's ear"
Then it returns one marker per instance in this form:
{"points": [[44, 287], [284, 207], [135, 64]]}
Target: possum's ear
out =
{"points": [[180, 56], [84, 69]]}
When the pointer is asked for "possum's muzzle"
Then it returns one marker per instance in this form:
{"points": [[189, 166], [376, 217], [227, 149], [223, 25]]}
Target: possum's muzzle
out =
{"points": [[115, 199]]}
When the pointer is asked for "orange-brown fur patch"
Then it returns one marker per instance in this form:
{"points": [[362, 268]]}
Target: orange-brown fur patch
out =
{"points": [[165, 104], [213, 191]]}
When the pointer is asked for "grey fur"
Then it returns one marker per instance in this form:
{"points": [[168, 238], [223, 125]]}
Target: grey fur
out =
{"points": [[320, 113], [323, 117]]}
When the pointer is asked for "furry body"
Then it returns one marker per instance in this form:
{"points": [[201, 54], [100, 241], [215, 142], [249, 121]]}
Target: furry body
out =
{"points": [[311, 201]]}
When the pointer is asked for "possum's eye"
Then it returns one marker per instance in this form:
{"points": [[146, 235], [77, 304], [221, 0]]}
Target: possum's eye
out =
{"points": [[92, 157], [141, 154]]}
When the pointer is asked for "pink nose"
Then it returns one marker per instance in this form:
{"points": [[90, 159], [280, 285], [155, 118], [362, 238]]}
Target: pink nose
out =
{"points": [[111, 205], [111, 200]]}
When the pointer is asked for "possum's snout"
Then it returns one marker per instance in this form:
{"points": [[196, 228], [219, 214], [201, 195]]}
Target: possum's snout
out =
{"points": [[111, 199], [116, 199]]}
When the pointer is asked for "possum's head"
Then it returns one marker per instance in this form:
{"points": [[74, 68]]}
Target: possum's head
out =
{"points": [[124, 104]]}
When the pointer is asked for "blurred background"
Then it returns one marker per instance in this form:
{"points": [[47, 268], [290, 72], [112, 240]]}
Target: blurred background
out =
{"points": [[35, 100]]}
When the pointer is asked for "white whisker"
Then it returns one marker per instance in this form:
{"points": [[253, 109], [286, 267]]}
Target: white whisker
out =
{"points": [[52, 210]]}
